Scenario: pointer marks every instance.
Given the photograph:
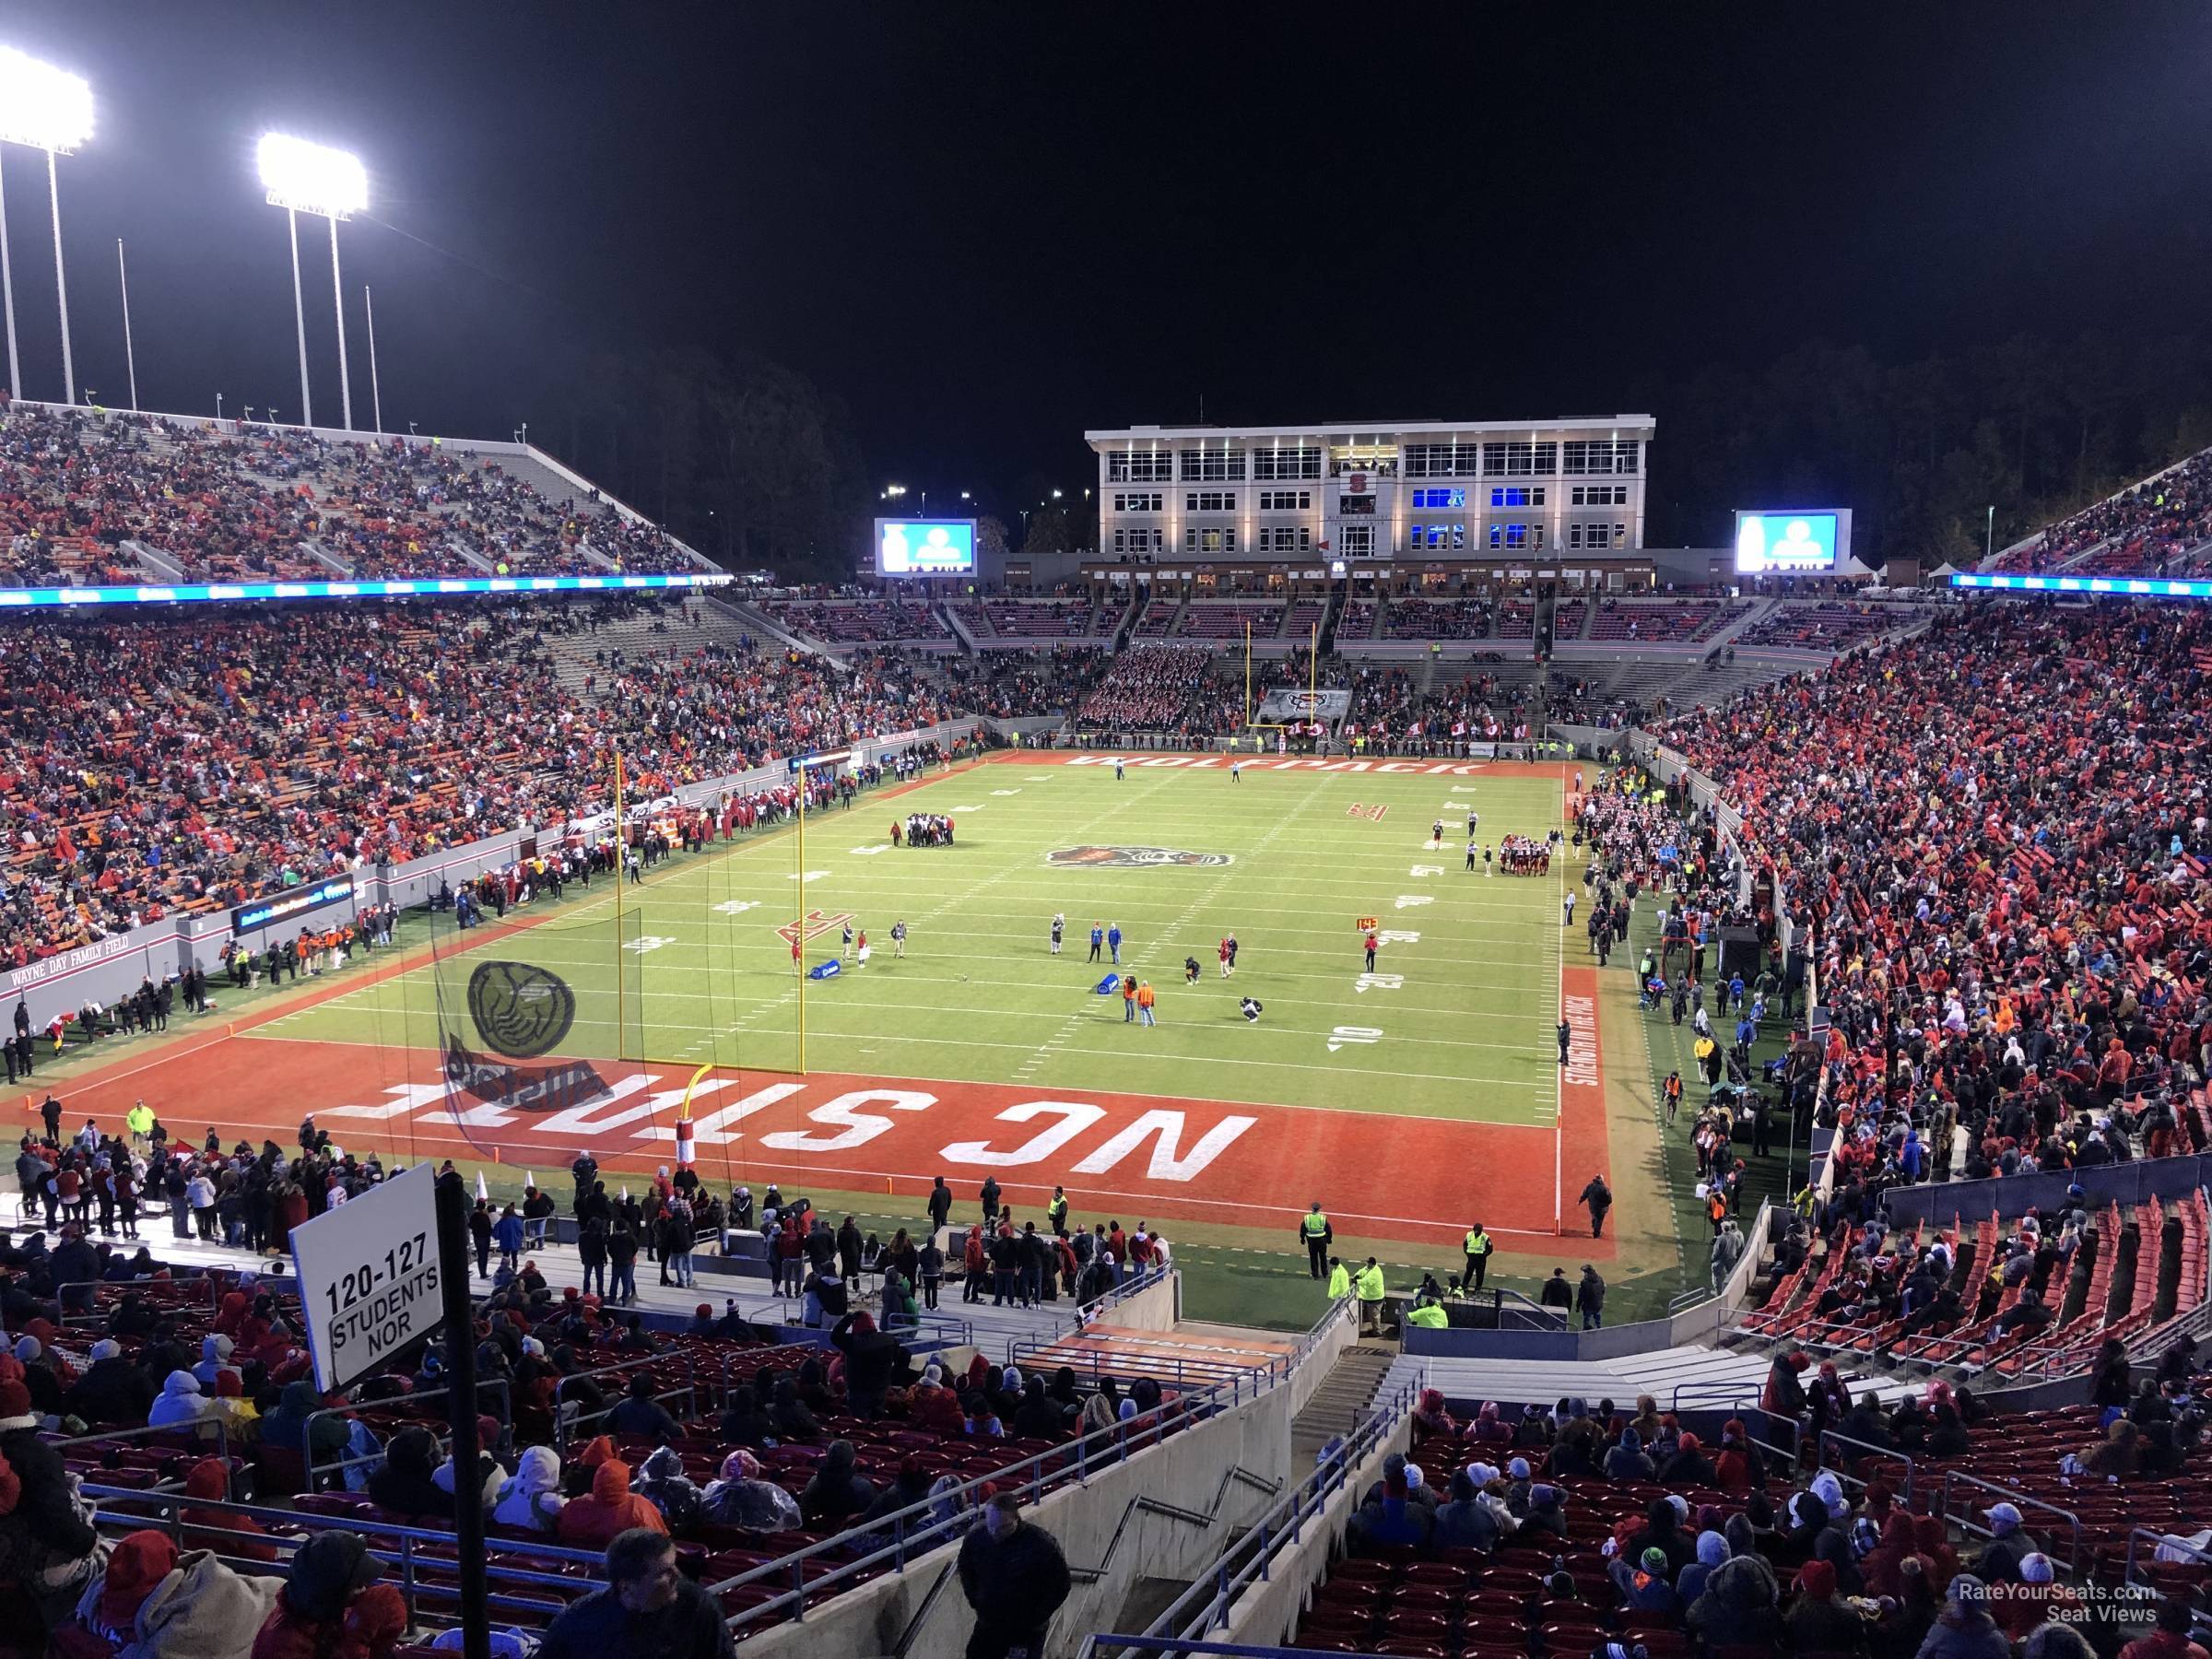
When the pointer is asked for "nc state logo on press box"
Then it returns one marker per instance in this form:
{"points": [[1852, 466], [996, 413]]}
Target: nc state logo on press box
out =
{"points": [[1132, 857]]}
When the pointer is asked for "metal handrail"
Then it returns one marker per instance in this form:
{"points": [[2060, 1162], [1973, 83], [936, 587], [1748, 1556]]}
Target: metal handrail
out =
{"points": [[1283, 1525], [307, 1432], [146, 1431], [1961, 1521], [913, 1532], [1866, 1449], [621, 1368], [1094, 1645], [389, 1541], [2159, 1541], [686, 1392]]}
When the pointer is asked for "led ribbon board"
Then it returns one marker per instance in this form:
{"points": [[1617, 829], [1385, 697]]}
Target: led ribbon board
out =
{"points": [[192, 593]]}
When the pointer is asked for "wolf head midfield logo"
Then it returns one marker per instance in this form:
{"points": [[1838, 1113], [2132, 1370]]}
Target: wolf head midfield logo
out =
{"points": [[520, 1011], [1129, 858]]}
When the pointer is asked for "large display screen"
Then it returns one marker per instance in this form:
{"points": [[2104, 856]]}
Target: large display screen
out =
{"points": [[1791, 543], [289, 905], [924, 546]]}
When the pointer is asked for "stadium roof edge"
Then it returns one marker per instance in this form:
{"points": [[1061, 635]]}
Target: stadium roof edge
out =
{"points": [[1501, 429]]}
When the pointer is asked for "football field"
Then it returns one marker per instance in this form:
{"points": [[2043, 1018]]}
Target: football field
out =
{"points": [[1409, 1099], [1457, 1020]]}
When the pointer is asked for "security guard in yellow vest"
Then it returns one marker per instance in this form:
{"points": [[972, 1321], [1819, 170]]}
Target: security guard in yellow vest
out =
{"points": [[1313, 1228], [1340, 1280], [1478, 1248], [1055, 1213], [1368, 1286], [1430, 1316]]}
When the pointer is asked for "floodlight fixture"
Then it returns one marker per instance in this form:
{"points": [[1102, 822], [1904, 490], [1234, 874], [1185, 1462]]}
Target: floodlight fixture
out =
{"points": [[312, 178], [300, 178], [48, 109], [42, 106]]}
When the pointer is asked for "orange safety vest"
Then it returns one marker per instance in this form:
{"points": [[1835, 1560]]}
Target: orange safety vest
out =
{"points": [[1128, 990], [1144, 997]]}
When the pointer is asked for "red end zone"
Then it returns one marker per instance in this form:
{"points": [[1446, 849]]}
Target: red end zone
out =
{"points": [[1144, 1155]]}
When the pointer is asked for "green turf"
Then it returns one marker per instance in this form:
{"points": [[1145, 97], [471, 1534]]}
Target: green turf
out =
{"points": [[1466, 1033]]}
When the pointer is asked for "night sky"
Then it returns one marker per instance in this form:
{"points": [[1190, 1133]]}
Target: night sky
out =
{"points": [[987, 228]]}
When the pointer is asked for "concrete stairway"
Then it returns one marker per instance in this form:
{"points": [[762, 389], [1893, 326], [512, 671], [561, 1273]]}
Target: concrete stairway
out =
{"points": [[1339, 1405]]}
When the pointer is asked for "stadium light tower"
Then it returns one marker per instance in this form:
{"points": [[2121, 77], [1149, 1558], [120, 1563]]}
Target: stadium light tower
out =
{"points": [[47, 109], [312, 178]]}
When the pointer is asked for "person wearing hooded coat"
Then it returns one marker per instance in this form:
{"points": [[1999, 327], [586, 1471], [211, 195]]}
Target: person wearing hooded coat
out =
{"points": [[215, 1355], [47, 1544], [744, 1496], [662, 1481], [406, 1483], [1737, 1608], [1712, 1552], [837, 1490], [1964, 1628], [593, 1521], [530, 1497], [1629, 1461], [287, 1424], [744, 1423], [229, 1535], [332, 1606], [1037, 1416], [152, 1603], [1818, 1620], [1466, 1521], [181, 1405], [1662, 1530], [790, 1414], [112, 1390]]}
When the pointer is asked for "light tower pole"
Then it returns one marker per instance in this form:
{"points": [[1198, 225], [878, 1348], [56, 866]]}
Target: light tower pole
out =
{"points": [[300, 177], [47, 109]]}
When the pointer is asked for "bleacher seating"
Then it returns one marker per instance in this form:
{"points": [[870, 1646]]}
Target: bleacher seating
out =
{"points": [[1820, 627], [1662, 622], [1219, 619], [238, 754], [850, 622], [244, 502], [1438, 619], [2154, 528]]}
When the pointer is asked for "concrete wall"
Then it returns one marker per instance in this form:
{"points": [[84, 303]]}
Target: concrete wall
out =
{"points": [[1340, 1331], [2015, 1195], [1155, 1308], [1694, 1324], [113, 968], [1210, 1469]]}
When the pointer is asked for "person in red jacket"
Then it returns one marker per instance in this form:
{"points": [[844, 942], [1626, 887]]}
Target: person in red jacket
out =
{"points": [[230, 1534], [2170, 1638], [332, 1607], [610, 1508]]}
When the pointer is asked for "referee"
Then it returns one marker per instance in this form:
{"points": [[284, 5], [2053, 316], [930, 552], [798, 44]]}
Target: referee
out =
{"points": [[1313, 1228]]}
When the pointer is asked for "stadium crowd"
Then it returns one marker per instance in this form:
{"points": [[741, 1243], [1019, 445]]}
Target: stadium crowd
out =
{"points": [[2143, 530], [1999, 853], [235, 503], [722, 1447], [169, 764], [1587, 1527], [1166, 689]]}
